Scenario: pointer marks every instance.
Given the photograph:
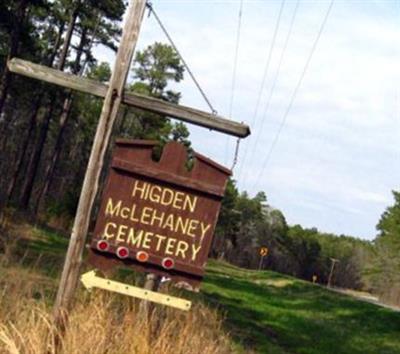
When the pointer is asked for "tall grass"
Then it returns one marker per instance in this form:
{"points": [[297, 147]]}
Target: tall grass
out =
{"points": [[100, 323]]}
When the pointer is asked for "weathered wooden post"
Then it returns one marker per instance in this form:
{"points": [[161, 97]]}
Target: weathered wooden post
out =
{"points": [[70, 274]]}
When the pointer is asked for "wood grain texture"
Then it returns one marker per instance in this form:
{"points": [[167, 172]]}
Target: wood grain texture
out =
{"points": [[91, 280], [71, 270], [183, 113]]}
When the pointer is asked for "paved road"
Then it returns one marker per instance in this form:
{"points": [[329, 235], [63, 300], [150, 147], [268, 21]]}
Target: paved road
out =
{"points": [[363, 296]]}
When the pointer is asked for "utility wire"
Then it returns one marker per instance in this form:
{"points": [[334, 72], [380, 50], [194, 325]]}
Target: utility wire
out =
{"points": [[265, 74], [293, 97], [272, 90], [233, 85], [151, 11]]}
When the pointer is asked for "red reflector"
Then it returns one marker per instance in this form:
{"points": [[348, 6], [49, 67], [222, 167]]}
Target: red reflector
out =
{"points": [[122, 252], [102, 245], [168, 263], [142, 256]]}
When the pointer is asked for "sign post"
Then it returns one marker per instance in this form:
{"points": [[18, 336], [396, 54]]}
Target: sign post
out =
{"points": [[70, 273], [263, 253], [113, 96]]}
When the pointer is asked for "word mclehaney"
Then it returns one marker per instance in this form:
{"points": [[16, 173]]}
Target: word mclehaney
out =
{"points": [[160, 219]]}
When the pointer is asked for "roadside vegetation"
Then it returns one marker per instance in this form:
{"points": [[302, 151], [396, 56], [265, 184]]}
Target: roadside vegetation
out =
{"points": [[101, 322], [246, 224], [237, 311]]}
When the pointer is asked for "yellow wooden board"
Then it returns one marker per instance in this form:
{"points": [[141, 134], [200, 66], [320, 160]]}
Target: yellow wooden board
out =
{"points": [[91, 280]]}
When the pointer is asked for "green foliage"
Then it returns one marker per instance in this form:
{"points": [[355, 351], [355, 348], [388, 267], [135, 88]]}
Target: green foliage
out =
{"points": [[156, 66], [154, 69], [385, 270], [389, 224], [246, 224], [100, 72]]}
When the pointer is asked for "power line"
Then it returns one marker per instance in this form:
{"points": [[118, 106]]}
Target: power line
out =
{"points": [[276, 139], [266, 69], [151, 11], [275, 80], [233, 85]]}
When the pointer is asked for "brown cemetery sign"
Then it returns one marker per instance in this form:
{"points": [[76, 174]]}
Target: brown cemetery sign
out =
{"points": [[158, 217]]}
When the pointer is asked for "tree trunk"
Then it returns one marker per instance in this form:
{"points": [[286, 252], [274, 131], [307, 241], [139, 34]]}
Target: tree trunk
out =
{"points": [[6, 78], [62, 126], [32, 123], [35, 157], [56, 151], [24, 146], [52, 55], [14, 45], [68, 36]]}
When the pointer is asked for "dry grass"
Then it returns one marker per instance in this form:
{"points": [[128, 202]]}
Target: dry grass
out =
{"points": [[100, 323]]}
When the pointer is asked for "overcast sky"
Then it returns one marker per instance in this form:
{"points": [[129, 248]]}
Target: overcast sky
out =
{"points": [[337, 156]]}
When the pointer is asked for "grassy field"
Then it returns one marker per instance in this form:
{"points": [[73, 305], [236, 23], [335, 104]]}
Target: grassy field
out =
{"points": [[264, 312], [273, 313]]}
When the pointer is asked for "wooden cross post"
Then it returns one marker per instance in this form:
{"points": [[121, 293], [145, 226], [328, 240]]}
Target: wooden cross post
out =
{"points": [[113, 95], [70, 274]]}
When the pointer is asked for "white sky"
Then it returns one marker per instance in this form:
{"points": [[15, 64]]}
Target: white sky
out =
{"points": [[337, 157]]}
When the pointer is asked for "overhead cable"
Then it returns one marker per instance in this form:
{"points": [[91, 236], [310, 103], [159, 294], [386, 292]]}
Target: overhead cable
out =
{"points": [[275, 80], [264, 77], [293, 97], [234, 72], [163, 28]]}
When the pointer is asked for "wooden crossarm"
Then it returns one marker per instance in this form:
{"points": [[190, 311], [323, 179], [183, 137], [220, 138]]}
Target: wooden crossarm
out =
{"points": [[183, 113]]}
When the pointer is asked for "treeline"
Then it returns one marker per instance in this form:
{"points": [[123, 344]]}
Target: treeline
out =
{"points": [[247, 224]]}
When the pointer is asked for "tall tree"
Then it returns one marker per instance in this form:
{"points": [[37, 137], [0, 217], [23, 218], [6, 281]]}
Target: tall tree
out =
{"points": [[52, 40], [84, 17], [154, 68], [387, 263], [33, 164], [95, 28], [17, 15]]}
